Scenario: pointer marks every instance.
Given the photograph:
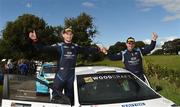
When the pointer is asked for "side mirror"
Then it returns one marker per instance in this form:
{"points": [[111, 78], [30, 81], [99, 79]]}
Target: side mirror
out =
{"points": [[158, 88]]}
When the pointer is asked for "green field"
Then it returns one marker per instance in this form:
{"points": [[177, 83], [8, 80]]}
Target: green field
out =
{"points": [[171, 62], [170, 90]]}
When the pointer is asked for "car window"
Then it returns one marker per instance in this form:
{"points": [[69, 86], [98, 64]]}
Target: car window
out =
{"points": [[112, 88], [25, 90], [50, 69]]}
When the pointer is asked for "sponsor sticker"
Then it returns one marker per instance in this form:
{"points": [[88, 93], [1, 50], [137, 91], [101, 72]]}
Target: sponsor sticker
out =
{"points": [[134, 105], [88, 79], [108, 77]]}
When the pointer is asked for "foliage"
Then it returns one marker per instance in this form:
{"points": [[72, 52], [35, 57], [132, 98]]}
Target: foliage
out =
{"points": [[162, 73], [139, 44], [117, 47], [166, 78], [95, 56], [120, 46], [16, 44], [84, 31], [158, 52], [15, 36], [169, 61], [172, 46], [169, 90]]}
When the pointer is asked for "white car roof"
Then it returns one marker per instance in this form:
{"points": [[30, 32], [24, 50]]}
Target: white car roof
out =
{"points": [[95, 69]]}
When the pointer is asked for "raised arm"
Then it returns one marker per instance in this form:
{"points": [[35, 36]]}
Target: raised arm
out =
{"points": [[147, 49], [38, 46], [114, 57], [87, 49]]}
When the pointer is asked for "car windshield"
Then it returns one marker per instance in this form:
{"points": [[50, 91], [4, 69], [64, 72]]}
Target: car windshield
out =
{"points": [[112, 88], [49, 69]]}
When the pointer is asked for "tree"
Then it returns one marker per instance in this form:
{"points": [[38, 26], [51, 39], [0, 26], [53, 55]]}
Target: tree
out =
{"points": [[15, 42], [83, 27], [84, 31], [172, 47], [177, 45], [117, 47], [139, 44], [4, 49], [158, 52], [168, 47], [15, 36], [95, 56], [120, 46]]}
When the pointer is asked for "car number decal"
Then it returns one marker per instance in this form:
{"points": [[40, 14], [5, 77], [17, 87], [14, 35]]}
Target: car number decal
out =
{"points": [[134, 105]]}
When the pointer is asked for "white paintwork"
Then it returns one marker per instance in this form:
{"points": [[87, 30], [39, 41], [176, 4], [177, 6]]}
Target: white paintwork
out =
{"points": [[8, 103]]}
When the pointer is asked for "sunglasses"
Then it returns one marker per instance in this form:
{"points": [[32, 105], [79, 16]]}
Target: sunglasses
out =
{"points": [[131, 43]]}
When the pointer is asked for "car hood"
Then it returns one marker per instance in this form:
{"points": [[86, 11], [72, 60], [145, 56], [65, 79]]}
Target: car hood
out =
{"points": [[159, 102]]}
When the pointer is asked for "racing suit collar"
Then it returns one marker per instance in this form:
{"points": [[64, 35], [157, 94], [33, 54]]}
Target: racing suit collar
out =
{"points": [[130, 51], [68, 43]]}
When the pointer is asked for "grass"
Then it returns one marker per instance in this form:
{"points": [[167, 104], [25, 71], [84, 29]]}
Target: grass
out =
{"points": [[107, 62], [171, 61], [1, 88], [170, 91]]}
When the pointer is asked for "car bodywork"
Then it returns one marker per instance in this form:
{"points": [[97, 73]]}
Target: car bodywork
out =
{"points": [[117, 88], [46, 74], [96, 86]]}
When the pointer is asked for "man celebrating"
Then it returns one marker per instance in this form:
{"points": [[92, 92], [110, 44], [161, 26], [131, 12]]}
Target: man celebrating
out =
{"points": [[132, 57], [67, 55]]}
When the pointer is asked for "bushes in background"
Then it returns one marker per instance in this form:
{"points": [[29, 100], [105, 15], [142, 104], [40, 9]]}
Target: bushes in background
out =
{"points": [[162, 73]]}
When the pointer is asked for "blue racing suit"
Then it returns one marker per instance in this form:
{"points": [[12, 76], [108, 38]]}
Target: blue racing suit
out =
{"points": [[67, 56], [133, 60]]}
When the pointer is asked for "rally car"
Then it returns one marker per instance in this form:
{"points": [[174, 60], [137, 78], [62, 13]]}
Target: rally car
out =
{"points": [[46, 74], [96, 86]]}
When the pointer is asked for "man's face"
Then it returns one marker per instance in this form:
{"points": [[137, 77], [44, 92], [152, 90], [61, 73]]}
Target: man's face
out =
{"points": [[68, 36], [130, 45]]}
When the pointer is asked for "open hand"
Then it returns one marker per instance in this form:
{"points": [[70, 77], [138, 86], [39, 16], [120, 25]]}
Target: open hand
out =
{"points": [[154, 36], [103, 50]]}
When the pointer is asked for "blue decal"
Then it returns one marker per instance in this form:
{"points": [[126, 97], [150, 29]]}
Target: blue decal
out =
{"points": [[134, 105]]}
